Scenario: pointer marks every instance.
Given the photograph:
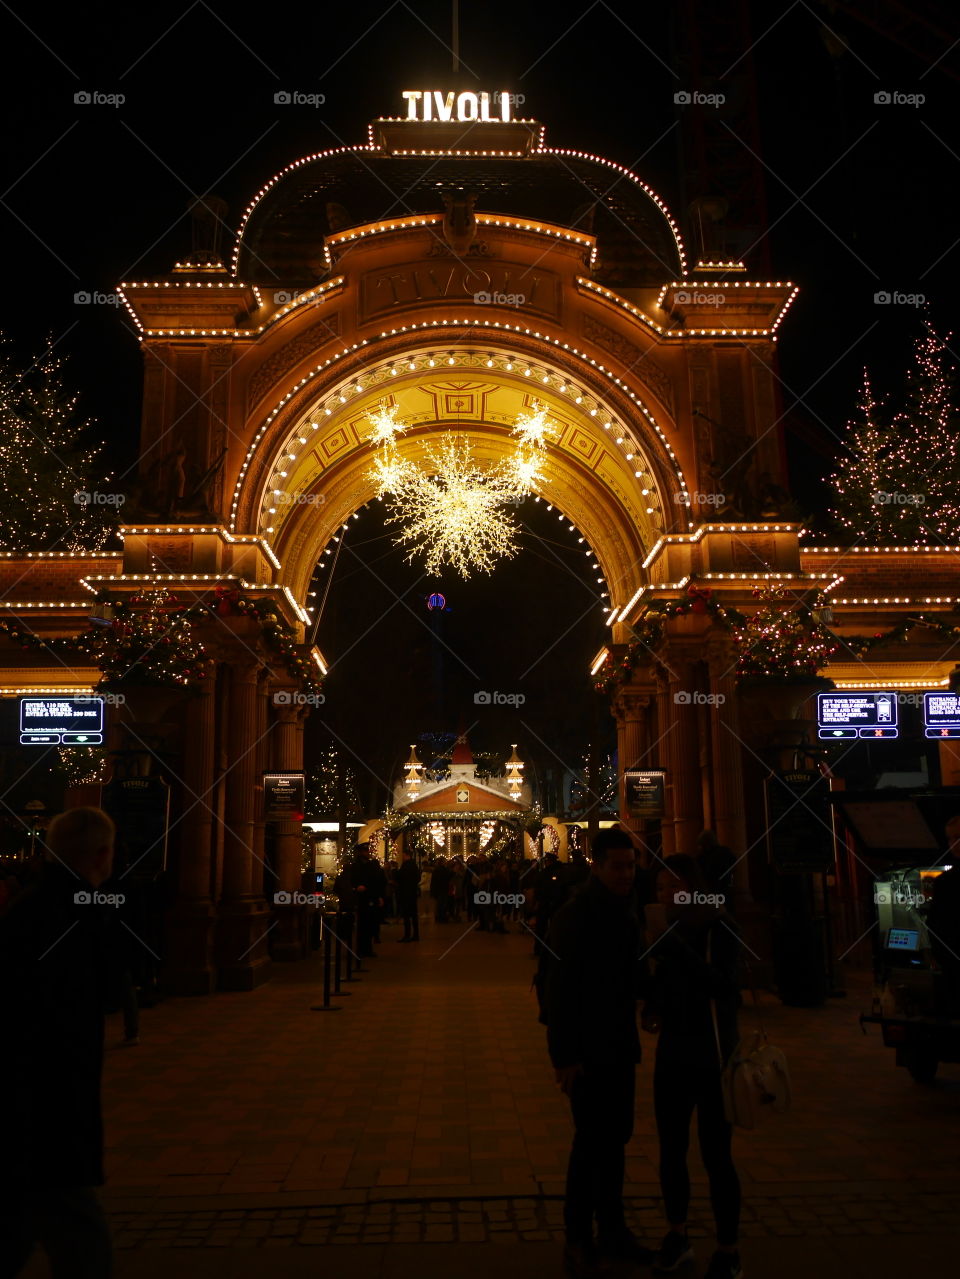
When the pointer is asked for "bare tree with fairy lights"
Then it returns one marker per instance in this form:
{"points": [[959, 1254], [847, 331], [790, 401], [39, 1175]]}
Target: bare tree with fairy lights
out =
{"points": [[49, 499], [899, 478]]}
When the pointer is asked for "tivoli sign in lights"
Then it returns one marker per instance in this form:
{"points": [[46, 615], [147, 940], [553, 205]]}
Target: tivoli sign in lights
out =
{"points": [[431, 104]]}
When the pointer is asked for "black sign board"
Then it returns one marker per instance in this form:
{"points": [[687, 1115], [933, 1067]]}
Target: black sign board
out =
{"points": [[799, 833], [643, 791], [941, 714], [140, 806], [283, 797], [842, 715], [61, 721]]}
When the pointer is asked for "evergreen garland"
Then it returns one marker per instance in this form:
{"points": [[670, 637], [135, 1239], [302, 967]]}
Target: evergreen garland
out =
{"points": [[150, 640], [781, 642]]}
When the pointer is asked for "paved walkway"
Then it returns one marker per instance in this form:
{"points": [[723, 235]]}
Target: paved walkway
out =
{"points": [[423, 1116]]}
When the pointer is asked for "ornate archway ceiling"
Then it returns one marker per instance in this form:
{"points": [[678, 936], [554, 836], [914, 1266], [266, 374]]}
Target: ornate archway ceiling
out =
{"points": [[612, 479]]}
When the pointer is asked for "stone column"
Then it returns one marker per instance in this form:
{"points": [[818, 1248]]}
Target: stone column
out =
{"points": [[665, 729], [188, 965], [261, 881], [286, 739], [243, 920], [632, 711], [727, 769], [687, 812]]}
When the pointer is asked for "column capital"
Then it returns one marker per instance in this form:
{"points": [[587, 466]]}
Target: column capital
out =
{"points": [[720, 654], [245, 668], [629, 705], [285, 712]]}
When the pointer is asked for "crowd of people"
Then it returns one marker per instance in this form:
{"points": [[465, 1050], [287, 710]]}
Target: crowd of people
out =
{"points": [[492, 893]]}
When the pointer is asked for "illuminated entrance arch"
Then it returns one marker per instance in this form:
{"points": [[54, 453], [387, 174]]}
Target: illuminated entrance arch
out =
{"points": [[607, 469], [509, 273]]}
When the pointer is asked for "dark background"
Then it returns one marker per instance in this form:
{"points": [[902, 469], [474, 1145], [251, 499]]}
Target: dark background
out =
{"points": [[859, 198]]}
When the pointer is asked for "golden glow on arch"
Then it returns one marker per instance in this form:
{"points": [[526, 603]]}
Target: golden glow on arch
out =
{"points": [[564, 396]]}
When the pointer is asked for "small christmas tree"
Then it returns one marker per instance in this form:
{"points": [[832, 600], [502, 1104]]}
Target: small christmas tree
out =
{"points": [[862, 480], [898, 483], [779, 640], [46, 500], [927, 444]]}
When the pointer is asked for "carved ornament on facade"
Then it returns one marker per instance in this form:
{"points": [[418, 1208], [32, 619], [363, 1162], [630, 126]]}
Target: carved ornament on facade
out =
{"points": [[637, 361], [290, 355]]}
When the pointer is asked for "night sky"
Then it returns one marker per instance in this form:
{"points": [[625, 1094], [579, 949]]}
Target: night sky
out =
{"points": [[859, 194]]}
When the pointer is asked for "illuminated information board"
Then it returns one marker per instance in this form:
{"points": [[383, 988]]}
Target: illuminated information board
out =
{"points": [[941, 714], [61, 721], [842, 716]]}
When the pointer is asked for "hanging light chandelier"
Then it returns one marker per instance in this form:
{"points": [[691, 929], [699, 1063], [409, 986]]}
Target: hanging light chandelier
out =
{"points": [[515, 774], [414, 771], [451, 509]]}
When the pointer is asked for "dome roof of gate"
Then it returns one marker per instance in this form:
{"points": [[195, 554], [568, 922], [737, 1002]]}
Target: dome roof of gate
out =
{"points": [[281, 239]]}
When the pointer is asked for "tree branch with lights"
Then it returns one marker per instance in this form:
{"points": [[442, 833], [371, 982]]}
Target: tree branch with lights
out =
{"points": [[48, 496], [898, 481]]}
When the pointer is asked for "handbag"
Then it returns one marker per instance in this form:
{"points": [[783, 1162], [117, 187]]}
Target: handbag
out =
{"points": [[756, 1079]]}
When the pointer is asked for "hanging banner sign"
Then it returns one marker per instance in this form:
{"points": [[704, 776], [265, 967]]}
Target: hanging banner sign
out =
{"points": [[643, 791], [140, 806], [799, 832], [431, 104], [283, 796], [847, 715]]}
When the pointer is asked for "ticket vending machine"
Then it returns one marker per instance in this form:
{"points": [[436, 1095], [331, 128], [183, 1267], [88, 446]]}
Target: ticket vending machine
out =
{"points": [[902, 835]]}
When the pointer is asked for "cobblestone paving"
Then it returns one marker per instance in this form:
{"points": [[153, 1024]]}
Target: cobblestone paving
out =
{"points": [[425, 1114], [434, 1079], [518, 1220]]}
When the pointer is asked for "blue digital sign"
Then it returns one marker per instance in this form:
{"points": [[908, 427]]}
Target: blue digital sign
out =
{"points": [[61, 721], [843, 716], [941, 714]]}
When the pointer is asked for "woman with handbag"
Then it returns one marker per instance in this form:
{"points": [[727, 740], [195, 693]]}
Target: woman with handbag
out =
{"points": [[692, 1002]]}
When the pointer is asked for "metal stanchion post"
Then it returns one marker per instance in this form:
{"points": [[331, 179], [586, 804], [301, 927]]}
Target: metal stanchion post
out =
{"points": [[337, 957], [326, 1006], [355, 940], [346, 932]]}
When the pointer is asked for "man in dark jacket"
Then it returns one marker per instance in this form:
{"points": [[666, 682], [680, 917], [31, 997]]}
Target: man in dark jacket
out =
{"points": [[692, 1001], [593, 978], [408, 891], [549, 892], [439, 884], [54, 979], [369, 884]]}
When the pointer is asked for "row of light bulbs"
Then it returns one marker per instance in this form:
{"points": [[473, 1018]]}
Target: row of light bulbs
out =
{"points": [[683, 334], [436, 219], [394, 368], [539, 150], [591, 555], [316, 294]]}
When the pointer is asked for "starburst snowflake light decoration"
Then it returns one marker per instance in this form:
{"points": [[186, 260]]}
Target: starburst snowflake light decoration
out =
{"points": [[451, 509]]}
